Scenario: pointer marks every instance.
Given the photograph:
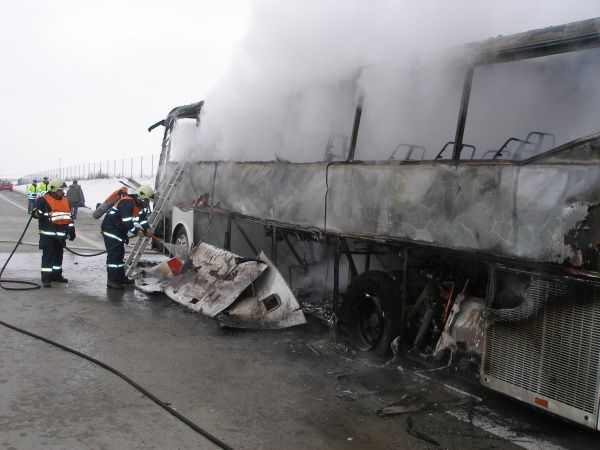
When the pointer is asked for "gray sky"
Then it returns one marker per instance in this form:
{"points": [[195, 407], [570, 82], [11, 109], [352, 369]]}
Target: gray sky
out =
{"points": [[81, 80]]}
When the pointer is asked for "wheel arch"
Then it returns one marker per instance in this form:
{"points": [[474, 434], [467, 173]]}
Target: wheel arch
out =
{"points": [[182, 226]]}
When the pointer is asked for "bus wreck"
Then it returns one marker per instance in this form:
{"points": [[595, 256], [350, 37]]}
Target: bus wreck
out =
{"points": [[470, 256]]}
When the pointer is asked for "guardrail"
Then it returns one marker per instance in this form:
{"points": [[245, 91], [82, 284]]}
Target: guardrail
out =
{"points": [[136, 166]]}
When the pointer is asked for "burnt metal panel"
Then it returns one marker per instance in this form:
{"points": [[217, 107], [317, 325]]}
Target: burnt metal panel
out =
{"points": [[280, 192], [215, 281], [541, 42], [519, 211], [522, 212]]}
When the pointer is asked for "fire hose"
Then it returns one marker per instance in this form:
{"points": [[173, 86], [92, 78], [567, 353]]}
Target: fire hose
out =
{"points": [[30, 285]]}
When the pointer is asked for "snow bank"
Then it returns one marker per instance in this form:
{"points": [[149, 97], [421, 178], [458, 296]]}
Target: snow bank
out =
{"points": [[95, 191]]}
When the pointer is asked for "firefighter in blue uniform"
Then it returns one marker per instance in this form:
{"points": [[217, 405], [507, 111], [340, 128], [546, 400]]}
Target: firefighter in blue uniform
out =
{"points": [[55, 225], [128, 215]]}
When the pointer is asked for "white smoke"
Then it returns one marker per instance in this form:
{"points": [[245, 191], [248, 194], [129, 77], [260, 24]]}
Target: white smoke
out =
{"points": [[296, 79], [559, 94]]}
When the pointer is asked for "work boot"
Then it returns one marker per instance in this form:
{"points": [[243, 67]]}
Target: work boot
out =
{"points": [[46, 283], [61, 279], [128, 281], [114, 285]]}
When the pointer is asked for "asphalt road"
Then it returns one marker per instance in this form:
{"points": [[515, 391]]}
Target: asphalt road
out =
{"points": [[293, 388]]}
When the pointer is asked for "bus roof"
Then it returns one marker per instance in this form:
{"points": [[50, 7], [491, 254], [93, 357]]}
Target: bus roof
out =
{"points": [[541, 42]]}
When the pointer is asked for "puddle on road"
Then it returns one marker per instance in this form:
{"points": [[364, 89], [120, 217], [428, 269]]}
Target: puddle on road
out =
{"points": [[86, 275]]}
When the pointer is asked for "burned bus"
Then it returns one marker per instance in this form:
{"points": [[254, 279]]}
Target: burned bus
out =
{"points": [[470, 255]]}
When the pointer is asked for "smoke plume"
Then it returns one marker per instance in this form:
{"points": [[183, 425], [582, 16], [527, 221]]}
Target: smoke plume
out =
{"points": [[294, 83]]}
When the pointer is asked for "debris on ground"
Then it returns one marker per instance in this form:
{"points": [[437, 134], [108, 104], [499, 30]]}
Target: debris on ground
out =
{"points": [[239, 292]]}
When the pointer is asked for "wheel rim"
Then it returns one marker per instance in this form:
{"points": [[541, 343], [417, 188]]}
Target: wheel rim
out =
{"points": [[370, 321], [182, 241]]}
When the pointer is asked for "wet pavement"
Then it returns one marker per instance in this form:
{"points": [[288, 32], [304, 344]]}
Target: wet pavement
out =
{"points": [[293, 388]]}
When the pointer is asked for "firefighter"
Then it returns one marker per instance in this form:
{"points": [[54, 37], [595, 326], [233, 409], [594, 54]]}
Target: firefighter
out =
{"points": [[31, 195], [42, 187], [55, 225], [127, 215]]}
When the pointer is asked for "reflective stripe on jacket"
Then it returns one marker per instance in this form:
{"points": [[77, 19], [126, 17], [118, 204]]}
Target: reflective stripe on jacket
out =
{"points": [[60, 210], [128, 221], [31, 191], [126, 215], [136, 209], [41, 189]]}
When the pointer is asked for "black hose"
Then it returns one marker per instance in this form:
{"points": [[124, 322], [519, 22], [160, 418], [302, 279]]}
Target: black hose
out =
{"points": [[31, 285], [125, 378], [87, 255], [128, 380]]}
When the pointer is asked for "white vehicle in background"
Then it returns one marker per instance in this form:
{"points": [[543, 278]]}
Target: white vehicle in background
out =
{"points": [[483, 258]]}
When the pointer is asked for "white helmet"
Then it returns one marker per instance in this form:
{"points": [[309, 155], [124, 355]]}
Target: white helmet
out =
{"points": [[55, 184], [145, 192]]}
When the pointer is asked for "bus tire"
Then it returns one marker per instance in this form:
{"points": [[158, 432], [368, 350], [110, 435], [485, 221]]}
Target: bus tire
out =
{"points": [[369, 314]]}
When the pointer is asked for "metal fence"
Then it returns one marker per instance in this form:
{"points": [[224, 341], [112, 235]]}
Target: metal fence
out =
{"points": [[143, 166]]}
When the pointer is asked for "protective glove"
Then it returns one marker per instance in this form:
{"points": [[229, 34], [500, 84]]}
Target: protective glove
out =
{"points": [[72, 236]]}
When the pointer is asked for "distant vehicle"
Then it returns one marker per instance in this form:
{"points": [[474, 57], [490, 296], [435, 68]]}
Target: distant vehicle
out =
{"points": [[6, 185]]}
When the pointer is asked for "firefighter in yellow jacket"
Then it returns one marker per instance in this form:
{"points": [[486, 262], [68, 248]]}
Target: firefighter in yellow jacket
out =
{"points": [[42, 187], [31, 195], [55, 226]]}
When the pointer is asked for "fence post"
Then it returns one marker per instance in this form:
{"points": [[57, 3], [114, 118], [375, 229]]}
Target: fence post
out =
{"points": [[141, 167], [152, 165], [131, 172]]}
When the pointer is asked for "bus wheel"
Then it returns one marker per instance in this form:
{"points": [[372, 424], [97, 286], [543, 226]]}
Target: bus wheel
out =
{"points": [[369, 315]]}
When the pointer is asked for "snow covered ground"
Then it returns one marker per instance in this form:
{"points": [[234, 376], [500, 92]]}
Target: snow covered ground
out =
{"points": [[96, 191]]}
